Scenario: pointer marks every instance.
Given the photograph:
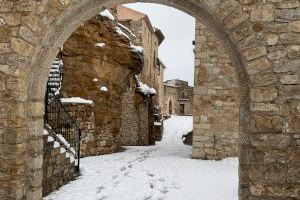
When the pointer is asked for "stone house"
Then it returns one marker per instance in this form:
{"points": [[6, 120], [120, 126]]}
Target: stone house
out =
{"points": [[178, 98], [150, 38], [140, 111]]}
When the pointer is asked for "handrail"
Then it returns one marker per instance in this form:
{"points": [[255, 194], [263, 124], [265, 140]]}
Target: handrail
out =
{"points": [[61, 122]]}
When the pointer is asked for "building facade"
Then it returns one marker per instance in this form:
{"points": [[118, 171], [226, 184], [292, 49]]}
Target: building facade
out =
{"points": [[150, 38], [139, 109], [178, 98]]}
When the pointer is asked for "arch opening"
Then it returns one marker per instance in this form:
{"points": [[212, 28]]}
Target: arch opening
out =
{"points": [[74, 14]]}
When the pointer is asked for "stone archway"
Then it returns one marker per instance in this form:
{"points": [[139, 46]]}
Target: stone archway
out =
{"points": [[263, 51]]}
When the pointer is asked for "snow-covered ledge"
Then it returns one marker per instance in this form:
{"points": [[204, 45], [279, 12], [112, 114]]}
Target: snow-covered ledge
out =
{"points": [[76, 100]]}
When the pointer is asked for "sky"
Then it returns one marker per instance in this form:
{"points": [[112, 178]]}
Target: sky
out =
{"points": [[176, 52]]}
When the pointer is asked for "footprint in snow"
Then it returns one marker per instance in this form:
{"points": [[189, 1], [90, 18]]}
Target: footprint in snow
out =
{"points": [[162, 180], [150, 174], [116, 183], [102, 198], [175, 185], [122, 169], [126, 174], [147, 197], [151, 185], [100, 189], [114, 176], [164, 190]]}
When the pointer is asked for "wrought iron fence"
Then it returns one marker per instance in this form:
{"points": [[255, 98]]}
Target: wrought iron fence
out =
{"points": [[62, 123]]}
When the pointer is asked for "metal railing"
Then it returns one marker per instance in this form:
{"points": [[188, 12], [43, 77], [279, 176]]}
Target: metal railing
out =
{"points": [[62, 123]]}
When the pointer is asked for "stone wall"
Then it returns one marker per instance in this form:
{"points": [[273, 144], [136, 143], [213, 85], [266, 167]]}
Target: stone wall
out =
{"points": [[96, 69], [58, 166], [84, 115], [216, 117], [135, 126]]}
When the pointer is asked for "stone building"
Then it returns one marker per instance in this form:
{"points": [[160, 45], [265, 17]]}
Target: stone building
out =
{"points": [[138, 109], [150, 38], [178, 98]]}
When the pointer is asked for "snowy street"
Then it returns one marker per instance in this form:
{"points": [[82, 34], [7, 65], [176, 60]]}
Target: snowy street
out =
{"points": [[161, 172]]}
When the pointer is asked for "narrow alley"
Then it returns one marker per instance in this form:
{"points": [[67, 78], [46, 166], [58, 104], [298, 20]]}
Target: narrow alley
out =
{"points": [[161, 172]]}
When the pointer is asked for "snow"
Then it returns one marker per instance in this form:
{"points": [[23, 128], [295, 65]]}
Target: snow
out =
{"points": [[101, 45], [161, 172], [127, 29], [62, 150], [177, 127], [120, 32], [106, 13], [138, 49], [45, 132], [76, 100], [104, 89], [157, 123], [145, 89], [63, 140], [50, 139], [56, 144], [72, 150], [72, 159]]}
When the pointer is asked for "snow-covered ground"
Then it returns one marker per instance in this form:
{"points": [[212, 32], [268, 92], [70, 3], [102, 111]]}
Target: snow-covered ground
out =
{"points": [[161, 172]]}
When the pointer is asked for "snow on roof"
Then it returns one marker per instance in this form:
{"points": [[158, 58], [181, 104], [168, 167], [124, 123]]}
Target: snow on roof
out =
{"points": [[139, 49], [120, 32], [145, 89], [106, 13], [76, 100], [127, 29]]}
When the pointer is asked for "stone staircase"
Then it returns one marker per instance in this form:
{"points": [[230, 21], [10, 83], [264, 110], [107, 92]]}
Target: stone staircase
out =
{"points": [[55, 76], [59, 163]]}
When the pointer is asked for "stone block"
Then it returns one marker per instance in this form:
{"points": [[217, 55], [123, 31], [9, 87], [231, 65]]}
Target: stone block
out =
{"points": [[235, 19], [266, 124], [288, 4], [255, 52], [21, 47], [290, 91], [271, 141], [289, 79], [262, 13], [272, 39], [295, 26], [264, 94], [225, 8], [267, 79], [294, 51], [258, 65]]}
